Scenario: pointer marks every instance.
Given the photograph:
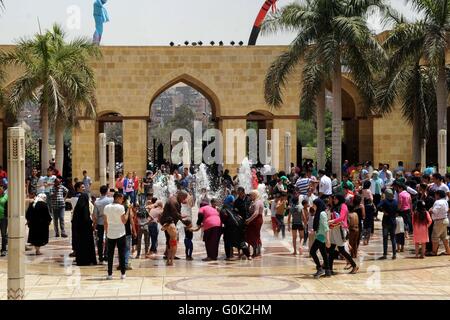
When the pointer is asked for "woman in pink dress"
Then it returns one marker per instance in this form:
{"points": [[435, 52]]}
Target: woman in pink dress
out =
{"points": [[209, 219], [421, 221]]}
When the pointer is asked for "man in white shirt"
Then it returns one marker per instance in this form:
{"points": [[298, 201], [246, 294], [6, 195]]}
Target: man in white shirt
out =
{"points": [[115, 218], [439, 214], [325, 185]]}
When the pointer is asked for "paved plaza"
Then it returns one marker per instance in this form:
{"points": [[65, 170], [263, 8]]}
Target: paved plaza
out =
{"points": [[278, 275]]}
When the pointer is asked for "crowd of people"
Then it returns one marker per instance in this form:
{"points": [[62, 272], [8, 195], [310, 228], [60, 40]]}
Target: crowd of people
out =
{"points": [[324, 214]]}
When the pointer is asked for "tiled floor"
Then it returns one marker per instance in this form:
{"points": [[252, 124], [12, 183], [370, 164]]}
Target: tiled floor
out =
{"points": [[278, 275]]}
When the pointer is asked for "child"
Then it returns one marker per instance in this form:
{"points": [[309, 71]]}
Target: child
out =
{"points": [[297, 223], [421, 221], [171, 229], [280, 209], [353, 234], [311, 233], [400, 233], [188, 236], [273, 217]]}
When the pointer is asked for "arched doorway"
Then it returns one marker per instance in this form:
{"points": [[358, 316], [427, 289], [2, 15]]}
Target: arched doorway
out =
{"points": [[177, 106], [111, 123], [258, 120]]}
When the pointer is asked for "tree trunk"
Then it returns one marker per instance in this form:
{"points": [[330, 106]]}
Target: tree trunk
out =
{"points": [[59, 144], [416, 139], [441, 99], [337, 118], [320, 114], [44, 146]]}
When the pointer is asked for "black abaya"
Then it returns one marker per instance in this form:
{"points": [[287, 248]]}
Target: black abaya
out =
{"points": [[82, 227], [39, 219]]}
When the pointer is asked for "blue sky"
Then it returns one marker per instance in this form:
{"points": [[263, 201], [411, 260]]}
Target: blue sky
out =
{"points": [[147, 22]]}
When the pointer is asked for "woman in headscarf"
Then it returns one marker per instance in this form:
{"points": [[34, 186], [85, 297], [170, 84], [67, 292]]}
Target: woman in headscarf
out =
{"points": [[233, 230], [254, 223], [209, 220], [322, 238], [38, 221], [338, 232], [82, 226]]}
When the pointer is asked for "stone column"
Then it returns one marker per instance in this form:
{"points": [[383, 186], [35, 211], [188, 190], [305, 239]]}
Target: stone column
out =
{"points": [[442, 145], [112, 164], [135, 146], [16, 212], [287, 152], [423, 155], [102, 158]]}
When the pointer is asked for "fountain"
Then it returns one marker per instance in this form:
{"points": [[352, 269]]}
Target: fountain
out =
{"points": [[245, 175]]}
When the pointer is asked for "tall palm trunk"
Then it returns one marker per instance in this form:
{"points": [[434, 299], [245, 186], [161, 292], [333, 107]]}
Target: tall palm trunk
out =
{"points": [[44, 145], [59, 144], [320, 114], [441, 99], [337, 118], [416, 139]]}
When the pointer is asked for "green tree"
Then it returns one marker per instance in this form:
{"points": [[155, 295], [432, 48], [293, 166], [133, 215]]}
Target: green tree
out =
{"points": [[410, 83], [332, 36], [56, 75]]}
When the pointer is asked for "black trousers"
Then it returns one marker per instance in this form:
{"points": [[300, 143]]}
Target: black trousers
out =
{"points": [[121, 247], [342, 251], [102, 252], [317, 245], [4, 232]]}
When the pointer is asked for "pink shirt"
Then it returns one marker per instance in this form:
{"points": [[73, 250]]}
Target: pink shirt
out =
{"points": [[342, 216], [404, 199], [211, 217]]}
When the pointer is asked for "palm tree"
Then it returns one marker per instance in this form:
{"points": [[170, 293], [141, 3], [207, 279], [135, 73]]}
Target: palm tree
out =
{"points": [[427, 39], [332, 36], [409, 82], [57, 77]]}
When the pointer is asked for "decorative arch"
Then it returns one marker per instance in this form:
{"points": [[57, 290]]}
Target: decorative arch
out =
{"points": [[195, 83], [260, 115]]}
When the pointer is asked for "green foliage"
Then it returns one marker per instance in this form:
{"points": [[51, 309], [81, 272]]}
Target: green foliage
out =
{"points": [[31, 149], [307, 131]]}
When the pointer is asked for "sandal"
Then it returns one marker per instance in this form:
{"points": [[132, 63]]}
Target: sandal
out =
{"points": [[354, 270]]}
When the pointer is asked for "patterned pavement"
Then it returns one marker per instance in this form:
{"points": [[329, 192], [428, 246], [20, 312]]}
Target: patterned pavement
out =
{"points": [[278, 275]]}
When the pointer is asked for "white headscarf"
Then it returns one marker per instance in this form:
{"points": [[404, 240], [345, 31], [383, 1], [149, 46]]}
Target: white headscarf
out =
{"points": [[41, 197]]}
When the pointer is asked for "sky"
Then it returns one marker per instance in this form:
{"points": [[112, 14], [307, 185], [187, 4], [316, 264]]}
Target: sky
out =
{"points": [[149, 22]]}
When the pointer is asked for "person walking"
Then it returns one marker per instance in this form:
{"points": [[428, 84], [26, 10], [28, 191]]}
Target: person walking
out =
{"points": [[38, 221], [115, 218], [99, 221], [322, 238]]}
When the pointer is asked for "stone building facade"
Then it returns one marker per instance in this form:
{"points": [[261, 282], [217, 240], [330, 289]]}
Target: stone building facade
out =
{"points": [[129, 79]]}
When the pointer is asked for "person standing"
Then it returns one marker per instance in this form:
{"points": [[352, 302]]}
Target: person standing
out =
{"points": [[154, 214], [119, 183], [79, 189], [87, 182], [32, 182], [254, 223], [58, 195], [209, 219], [83, 228], [99, 221], [421, 220], [38, 221], [439, 214], [128, 187], [115, 218], [389, 207], [135, 186], [325, 185], [405, 207]]}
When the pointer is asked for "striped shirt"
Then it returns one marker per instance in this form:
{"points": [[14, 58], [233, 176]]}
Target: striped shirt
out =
{"points": [[57, 196], [302, 185]]}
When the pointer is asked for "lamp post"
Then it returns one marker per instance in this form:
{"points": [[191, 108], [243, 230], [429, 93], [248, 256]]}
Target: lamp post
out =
{"points": [[16, 212]]}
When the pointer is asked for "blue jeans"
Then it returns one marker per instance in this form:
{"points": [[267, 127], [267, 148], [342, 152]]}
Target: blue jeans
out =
{"points": [[132, 196], [189, 247], [58, 220], [281, 225], [389, 231], [128, 239], [153, 230]]}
